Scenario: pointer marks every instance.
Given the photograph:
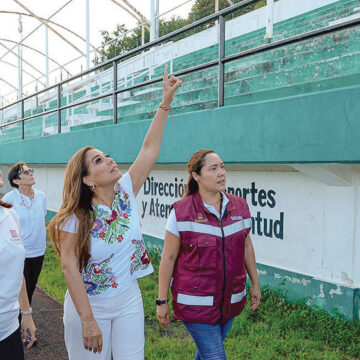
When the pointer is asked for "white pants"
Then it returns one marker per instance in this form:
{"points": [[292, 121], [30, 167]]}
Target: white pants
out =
{"points": [[121, 320]]}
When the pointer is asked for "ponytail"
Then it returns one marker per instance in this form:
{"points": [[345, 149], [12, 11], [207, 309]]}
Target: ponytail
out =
{"points": [[195, 164]]}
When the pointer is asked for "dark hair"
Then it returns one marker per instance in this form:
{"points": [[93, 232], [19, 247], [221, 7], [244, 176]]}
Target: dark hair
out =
{"points": [[5, 205], [14, 173], [195, 164]]}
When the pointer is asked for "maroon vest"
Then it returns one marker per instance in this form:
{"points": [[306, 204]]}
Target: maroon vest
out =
{"points": [[209, 276]]}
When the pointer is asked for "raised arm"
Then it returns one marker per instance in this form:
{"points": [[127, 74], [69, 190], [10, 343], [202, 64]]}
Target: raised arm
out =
{"points": [[150, 149], [92, 336], [250, 264]]}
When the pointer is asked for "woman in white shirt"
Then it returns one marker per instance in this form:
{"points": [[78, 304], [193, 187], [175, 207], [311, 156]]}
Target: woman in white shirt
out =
{"points": [[30, 206], [13, 290], [98, 235]]}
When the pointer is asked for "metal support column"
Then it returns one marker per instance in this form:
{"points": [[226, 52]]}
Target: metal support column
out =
{"points": [[58, 88], [87, 36], [20, 29], [115, 117], [152, 20], [221, 57], [47, 56], [269, 19], [157, 20], [22, 122], [143, 34], [217, 21]]}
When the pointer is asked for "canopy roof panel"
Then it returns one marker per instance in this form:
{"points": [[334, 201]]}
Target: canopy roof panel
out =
{"points": [[66, 31]]}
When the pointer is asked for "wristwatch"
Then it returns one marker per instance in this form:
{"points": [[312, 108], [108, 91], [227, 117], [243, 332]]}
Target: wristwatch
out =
{"points": [[161, 302]]}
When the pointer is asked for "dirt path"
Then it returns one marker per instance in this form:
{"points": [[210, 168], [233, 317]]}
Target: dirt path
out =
{"points": [[47, 315]]}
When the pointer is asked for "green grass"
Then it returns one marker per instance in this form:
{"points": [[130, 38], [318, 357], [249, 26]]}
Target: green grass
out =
{"points": [[278, 330], [51, 278]]}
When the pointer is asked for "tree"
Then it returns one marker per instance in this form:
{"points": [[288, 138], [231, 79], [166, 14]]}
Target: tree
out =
{"points": [[200, 9], [203, 8], [175, 22], [116, 42]]}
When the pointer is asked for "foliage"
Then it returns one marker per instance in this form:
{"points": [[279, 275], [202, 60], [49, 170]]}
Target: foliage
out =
{"points": [[121, 43], [51, 277], [277, 330]]}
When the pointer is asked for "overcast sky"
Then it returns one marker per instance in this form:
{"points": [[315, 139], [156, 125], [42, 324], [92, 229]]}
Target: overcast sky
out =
{"points": [[104, 15]]}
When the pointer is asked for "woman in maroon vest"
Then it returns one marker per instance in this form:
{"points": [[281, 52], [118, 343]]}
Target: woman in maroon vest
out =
{"points": [[207, 252]]}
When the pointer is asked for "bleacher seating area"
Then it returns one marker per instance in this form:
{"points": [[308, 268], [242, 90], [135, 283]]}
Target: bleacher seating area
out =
{"points": [[327, 62]]}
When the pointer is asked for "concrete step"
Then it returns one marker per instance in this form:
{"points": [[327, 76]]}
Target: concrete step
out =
{"points": [[291, 90], [147, 115]]}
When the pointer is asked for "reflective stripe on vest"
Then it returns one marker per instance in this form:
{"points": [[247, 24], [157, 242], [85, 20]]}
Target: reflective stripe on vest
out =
{"points": [[206, 300], [214, 230], [195, 300], [237, 227], [198, 228], [238, 297]]}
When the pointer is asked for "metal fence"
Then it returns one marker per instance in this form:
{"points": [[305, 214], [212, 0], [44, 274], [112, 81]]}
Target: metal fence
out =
{"points": [[220, 62]]}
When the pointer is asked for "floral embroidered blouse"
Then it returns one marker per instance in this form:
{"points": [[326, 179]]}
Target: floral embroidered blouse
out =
{"points": [[118, 254]]}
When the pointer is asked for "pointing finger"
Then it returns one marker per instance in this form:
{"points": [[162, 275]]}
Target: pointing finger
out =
{"points": [[165, 72]]}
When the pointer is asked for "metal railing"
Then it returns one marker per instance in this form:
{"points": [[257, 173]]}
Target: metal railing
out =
{"points": [[220, 62]]}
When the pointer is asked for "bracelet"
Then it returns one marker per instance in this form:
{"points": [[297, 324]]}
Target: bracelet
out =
{"points": [[27, 312], [167, 108]]}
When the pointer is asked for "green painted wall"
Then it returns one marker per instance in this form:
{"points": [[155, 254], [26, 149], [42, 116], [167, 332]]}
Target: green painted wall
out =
{"points": [[357, 304], [318, 294], [153, 244], [50, 214], [318, 127]]}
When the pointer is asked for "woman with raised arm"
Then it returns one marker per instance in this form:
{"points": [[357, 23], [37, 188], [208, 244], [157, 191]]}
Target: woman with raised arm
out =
{"points": [[207, 251], [98, 236], [13, 288]]}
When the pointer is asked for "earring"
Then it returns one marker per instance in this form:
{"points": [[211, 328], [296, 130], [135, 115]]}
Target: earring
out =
{"points": [[93, 188]]}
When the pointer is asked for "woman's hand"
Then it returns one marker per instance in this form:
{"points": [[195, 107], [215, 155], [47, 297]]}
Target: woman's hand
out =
{"points": [[92, 335], [255, 296], [163, 314], [28, 327], [170, 84]]}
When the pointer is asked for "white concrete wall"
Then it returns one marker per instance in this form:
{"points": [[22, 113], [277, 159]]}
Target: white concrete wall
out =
{"points": [[50, 179], [321, 222]]}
